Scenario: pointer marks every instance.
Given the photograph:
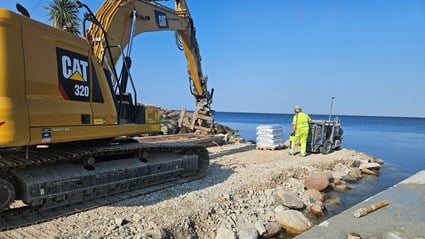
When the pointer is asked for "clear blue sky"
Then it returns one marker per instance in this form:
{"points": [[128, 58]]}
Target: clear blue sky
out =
{"points": [[267, 56]]}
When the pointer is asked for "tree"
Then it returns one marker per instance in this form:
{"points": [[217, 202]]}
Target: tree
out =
{"points": [[64, 15]]}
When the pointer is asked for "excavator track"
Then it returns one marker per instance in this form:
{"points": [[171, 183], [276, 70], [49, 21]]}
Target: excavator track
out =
{"points": [[189, 161], [15, 159], [26, 216]]}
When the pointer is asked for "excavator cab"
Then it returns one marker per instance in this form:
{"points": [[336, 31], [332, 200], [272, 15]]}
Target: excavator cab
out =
{"points": [[129, 111]]}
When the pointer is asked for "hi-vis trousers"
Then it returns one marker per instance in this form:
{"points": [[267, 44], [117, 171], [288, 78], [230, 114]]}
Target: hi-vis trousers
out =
{"points": [[300, 136]]}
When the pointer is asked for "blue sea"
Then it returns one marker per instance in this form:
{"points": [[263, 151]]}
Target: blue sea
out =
{"points": [[399, 141]]}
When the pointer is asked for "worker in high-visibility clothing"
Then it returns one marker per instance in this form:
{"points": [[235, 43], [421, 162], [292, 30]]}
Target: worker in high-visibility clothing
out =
{"points": [[300, 127]]}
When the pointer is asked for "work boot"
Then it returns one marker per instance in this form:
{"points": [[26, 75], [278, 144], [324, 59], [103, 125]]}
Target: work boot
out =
{"points": [[303, 154]]}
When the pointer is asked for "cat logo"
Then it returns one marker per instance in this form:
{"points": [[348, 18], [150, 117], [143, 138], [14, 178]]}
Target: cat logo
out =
{"points": [[161, 19], [73, 75], [74, 69]]}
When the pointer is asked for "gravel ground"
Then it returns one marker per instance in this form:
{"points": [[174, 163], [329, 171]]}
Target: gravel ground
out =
{"points": [[236, 196]]}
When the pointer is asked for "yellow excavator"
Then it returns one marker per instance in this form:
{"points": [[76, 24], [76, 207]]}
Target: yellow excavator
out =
{"points": [[68, 117]]}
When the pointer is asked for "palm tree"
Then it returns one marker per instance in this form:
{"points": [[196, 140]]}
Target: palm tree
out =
{"points": [[64, 14]]}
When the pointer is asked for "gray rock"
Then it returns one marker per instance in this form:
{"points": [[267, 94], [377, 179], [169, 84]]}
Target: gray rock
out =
{"points": [[294, 222], [333, 201], [370, 168], [119, 221], [289, 199], [336, 180], [272, 229], [375, 166], [279, 209], [342, 187], [169, 126], [355, 173], [356, 163], [340, 170], [268, 192], [295, 184], [225, 233], [259, 226], [248, 233], [349, 179], [185, 229], [236, 139]]}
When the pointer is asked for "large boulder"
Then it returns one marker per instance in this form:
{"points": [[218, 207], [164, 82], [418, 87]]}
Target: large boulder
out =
{"points": [[289, 199], [340, 170], [294, 222], [356, 173], [317, 181], [370, 168]]}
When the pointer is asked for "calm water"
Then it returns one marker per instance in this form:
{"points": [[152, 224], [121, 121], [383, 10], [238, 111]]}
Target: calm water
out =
{"points": [[400, 142]]}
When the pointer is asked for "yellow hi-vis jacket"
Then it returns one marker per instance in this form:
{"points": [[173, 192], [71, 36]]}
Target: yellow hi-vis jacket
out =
{"points": [[301, 120]]}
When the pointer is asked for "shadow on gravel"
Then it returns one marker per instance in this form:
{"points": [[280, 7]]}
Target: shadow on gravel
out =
{"points": [[216, 174], [232, 151]]}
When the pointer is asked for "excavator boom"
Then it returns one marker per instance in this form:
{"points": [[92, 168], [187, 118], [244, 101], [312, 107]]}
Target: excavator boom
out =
{"points": [[118, 22]]}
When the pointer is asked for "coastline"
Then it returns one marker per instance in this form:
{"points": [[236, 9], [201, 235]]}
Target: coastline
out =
{"points": [[238, 197], [401, 218]]}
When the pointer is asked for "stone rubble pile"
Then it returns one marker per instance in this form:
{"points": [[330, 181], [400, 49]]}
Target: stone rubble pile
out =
{"points": [[293, 207], [169, 125]]}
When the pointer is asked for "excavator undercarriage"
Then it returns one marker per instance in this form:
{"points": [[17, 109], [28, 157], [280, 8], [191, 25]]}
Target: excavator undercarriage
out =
{"points": [[66, 174]]}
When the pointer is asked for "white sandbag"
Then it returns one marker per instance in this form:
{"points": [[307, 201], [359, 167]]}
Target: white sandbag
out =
{"points": [[270, 136], [268, 126]]}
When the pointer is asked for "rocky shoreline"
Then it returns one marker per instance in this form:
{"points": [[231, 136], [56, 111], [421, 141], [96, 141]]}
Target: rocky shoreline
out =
{"points": [[247, 193]]}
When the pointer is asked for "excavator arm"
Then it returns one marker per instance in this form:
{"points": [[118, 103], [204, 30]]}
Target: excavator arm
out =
{"points": [[116, 23]]}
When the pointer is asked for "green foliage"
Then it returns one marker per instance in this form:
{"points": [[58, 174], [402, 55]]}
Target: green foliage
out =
{"points": [[64, 15]]}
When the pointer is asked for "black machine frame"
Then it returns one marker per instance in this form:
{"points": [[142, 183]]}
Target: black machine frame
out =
{"points": [[324, 136]]}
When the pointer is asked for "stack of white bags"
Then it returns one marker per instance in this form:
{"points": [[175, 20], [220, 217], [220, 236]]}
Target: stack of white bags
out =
{"points": [[270, 136]]}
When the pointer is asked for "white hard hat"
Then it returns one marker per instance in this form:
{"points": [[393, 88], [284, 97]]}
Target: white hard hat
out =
{"points": [[297, 108]]}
